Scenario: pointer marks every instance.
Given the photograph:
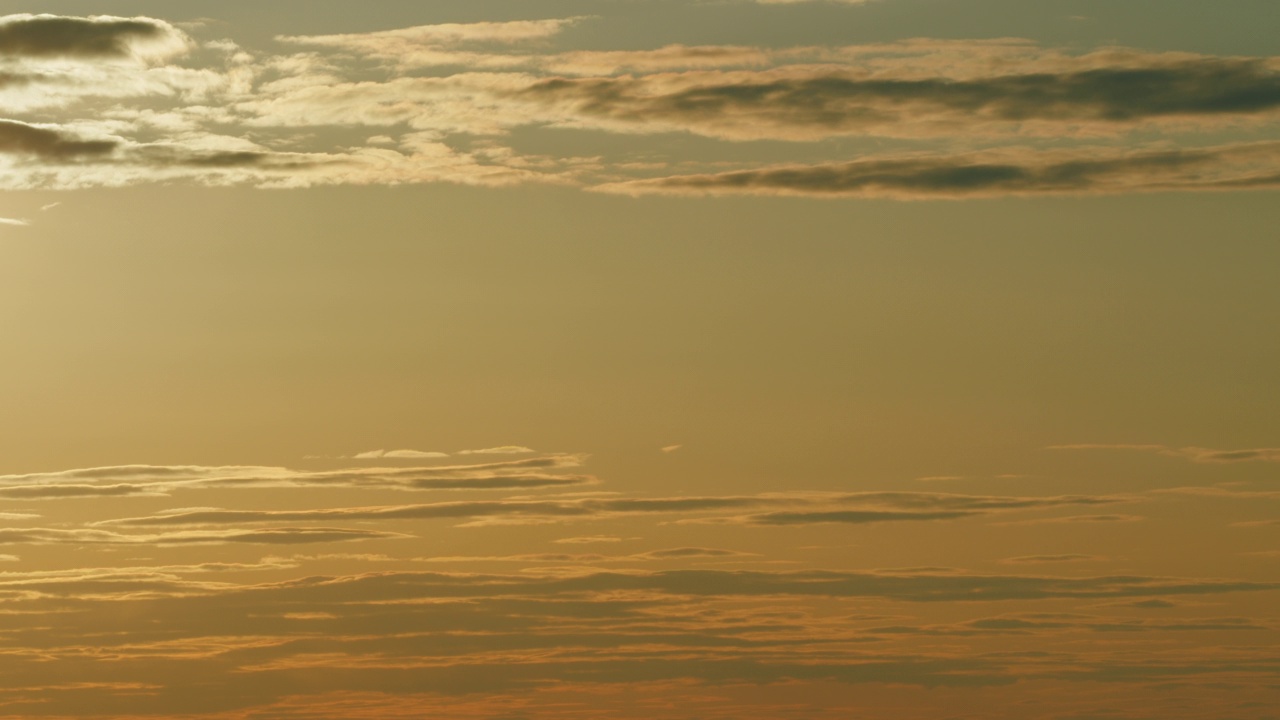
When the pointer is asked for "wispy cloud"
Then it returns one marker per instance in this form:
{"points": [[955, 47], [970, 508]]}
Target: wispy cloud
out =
{"points": [[264, 536], [1076, 519], [399, 455], [851, 517], [670, 554], [1195, 454], [500, 450], [1042, 559], [991, 174], [528, 473], [806, 508], [588, 539]]}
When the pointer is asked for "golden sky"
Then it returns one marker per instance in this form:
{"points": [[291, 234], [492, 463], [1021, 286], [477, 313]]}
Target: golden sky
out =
{"points": [[633, 359]]}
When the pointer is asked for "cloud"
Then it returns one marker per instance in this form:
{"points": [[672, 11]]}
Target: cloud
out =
{"points": [[851, 517], [500, 450], [685, 553], [137, 572], [451, 510], [391, 43], [1042, 559], [588, 539], [1195, 454], [53, 492], [1222, 492], [18, 138], [671, 448], [207, 643], [1257, 523], [268, 536], [89, 38], [399, 454], [990, 175], [871, 507], [1072, 519], [669, 57], [528, 473], [813, 102], [387, 122], [14, 222], [682, 553]]}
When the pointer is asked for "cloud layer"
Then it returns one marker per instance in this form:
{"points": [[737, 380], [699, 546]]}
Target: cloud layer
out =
{"points": [[204, 626], [107, 101]]}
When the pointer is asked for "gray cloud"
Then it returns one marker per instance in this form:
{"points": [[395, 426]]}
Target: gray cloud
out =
{"points": [[19, 138], [52, 492], [810, 103], [52, 36], [427, 123], [990, 174]]}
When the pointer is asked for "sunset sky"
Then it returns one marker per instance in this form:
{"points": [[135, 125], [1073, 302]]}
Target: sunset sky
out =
{"points": [[640, 359]]}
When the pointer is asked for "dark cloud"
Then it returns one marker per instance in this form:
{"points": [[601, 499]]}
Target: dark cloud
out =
{"points": [[162, 156], [50, 36], [797, 104], [986, 175], [1228, 456], [52, 492], [19, 138]]}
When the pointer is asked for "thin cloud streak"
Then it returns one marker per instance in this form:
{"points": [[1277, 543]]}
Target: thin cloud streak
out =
{"points": [[1195, 454], [264, 536], [529, 473], [872, 507], [1231, 167]]}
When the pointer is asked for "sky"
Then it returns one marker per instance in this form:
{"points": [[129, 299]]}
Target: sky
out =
{"points": [[624, 359]]}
